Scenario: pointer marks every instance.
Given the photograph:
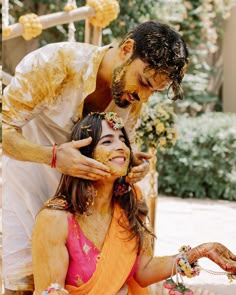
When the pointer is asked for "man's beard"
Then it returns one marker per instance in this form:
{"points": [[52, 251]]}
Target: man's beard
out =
{"points": [[118, 81]]}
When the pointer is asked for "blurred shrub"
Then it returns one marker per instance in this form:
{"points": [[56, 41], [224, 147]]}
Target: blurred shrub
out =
{"points": [[203, 161]]}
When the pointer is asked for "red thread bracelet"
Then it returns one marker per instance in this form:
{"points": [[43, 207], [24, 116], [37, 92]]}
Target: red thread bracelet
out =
{"points": [[54, 155]]}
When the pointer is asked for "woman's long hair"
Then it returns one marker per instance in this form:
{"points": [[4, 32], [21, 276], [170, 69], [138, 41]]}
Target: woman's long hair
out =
{"points": [[76, 195]]}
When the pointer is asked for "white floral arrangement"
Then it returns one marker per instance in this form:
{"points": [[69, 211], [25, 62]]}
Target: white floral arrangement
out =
{"points": [[156, 127]]}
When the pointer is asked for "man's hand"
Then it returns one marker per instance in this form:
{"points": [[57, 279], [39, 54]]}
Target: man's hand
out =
{"points": [[141, 168], [71, 162]]}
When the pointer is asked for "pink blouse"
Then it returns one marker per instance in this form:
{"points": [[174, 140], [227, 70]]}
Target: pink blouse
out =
{"points": [[83, 255]]}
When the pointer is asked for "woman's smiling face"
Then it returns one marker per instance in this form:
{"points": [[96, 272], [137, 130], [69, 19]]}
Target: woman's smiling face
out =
{"points": [[112, 151]]}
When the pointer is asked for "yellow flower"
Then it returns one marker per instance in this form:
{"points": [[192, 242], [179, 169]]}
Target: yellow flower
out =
{"points": [[160, 127], [175, 133], [173, 141], [162, 141], [164, 114], [6, 31]]}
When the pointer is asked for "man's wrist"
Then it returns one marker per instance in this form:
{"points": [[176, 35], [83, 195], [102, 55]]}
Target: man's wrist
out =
{"points": [[54, 155]]}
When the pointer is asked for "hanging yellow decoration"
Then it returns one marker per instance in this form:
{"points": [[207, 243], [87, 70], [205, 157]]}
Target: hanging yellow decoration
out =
{"points": [[32, 26], [68, 7], [106, 12], [6, 31]]}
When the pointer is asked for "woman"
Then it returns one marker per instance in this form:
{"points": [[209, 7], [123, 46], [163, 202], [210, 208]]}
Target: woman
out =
{"points": [[92, 237]]}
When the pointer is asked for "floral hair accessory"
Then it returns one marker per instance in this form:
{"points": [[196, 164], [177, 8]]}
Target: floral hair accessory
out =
{"points": [[112, 119], [121, 187]]}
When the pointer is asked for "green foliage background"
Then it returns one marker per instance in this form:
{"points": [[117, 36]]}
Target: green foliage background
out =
{"points": [[203, 161]]}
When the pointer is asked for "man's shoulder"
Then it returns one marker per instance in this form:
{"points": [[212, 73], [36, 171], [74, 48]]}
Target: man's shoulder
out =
{"points": [[76, 50], [68, 44], [68, 51], [72, 45]]}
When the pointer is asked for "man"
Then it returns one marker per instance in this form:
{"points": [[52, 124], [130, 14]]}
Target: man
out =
{"points": [[53, 88]]}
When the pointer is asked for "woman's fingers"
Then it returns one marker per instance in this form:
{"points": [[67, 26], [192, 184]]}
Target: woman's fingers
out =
{"points": [[230, 266]]}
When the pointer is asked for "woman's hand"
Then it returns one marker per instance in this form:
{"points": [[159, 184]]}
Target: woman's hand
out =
{"points": [[219, 254], [141, 168]]}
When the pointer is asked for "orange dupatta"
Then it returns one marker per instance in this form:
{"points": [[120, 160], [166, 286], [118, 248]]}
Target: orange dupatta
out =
{"points": [[116, 261]]}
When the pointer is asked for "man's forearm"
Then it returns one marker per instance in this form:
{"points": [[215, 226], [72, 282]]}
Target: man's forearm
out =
{"points": [[16, 146]]}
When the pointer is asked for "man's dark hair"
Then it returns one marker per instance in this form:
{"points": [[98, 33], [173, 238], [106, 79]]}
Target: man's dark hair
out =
{"points": [[163, 49]]}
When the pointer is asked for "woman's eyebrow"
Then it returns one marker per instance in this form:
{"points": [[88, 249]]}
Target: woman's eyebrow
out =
{"points": [[111, 136], [106, 136]]}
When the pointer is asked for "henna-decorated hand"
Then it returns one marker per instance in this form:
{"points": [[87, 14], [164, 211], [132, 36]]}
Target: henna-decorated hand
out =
{"points": [[219, 254]]}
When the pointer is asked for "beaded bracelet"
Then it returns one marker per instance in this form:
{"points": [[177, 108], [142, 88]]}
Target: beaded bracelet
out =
{"points": [[183, 265], [54, 287], [54, 155]]}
